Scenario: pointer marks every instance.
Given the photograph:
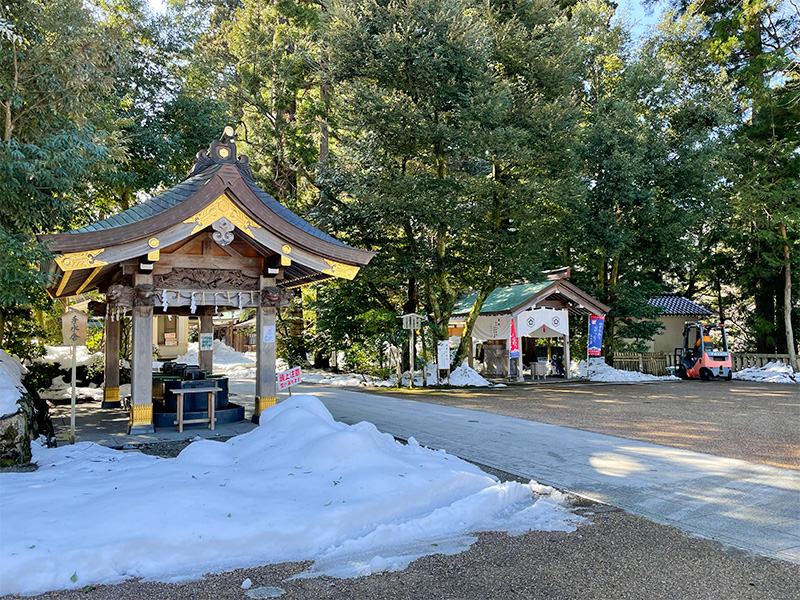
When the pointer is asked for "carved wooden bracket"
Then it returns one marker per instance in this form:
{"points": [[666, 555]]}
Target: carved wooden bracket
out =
{"points": [[120, 295], [275, 296], [123, 296]]}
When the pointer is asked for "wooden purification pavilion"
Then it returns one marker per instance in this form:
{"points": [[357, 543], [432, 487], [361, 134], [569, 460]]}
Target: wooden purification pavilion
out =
{"points": [[215, 241]]}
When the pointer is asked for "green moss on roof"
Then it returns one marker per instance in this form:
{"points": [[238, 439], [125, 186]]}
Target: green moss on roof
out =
{"points": [[502, 299]]}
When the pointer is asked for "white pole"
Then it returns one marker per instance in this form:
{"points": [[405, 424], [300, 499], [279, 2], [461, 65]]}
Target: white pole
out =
{"points": [[588, 329], [74, 394]]}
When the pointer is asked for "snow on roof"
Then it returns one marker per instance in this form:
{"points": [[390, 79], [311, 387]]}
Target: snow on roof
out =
{"points": [[675, 305]]}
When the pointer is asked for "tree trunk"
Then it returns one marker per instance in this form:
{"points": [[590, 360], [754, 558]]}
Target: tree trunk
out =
{"points": [[2, 326], [410, 307], [324, 134], [765, 308], [787, 297], [465, 347]]}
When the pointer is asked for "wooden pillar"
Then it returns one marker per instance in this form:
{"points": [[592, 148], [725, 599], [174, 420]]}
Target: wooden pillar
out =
{"points": [[111, 383], [266, 385], [141, 420], [206, 357], [520, 376], [566, 357]]}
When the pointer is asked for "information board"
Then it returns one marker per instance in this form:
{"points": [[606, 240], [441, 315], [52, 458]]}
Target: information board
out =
{"points": [[443, 354], [206, 341], [73, 328]]}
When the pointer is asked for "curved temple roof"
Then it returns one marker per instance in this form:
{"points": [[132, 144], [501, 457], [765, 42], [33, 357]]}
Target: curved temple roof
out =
{"points": [[512, 298], [220, 187]]}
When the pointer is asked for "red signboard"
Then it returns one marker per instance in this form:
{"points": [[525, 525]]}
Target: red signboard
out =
{"points": [[514, 345], [289, 378]]}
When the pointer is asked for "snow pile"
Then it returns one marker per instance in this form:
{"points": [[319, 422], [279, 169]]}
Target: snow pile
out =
{"points": [[462, 376], [336, 380], [600, 371], [62, 356], [301, 486], [247, 370], [577, 369], [772, 372], [61, 391], [224, 355], [11, 388], [465, 376]]}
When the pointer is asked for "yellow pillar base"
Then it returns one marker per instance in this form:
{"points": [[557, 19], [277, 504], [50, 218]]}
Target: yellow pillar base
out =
{"points": [[141, 420], [263, 402], [111, 398]]}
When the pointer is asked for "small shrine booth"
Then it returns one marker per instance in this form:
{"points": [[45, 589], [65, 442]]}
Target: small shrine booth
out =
{"points": [[216, 241], [535, 310]]}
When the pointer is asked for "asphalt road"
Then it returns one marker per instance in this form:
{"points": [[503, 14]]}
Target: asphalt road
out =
{"points": [[757, 422]]}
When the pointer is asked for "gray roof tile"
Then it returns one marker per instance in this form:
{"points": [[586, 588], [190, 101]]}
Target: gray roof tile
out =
{"points": [[156, 205], [288, 216], [675, 305], [187, 188]]}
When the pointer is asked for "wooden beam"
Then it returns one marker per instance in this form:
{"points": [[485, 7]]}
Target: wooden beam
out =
{"points": [[192, 261], [230, 251], [88, 280], [63, 284]]}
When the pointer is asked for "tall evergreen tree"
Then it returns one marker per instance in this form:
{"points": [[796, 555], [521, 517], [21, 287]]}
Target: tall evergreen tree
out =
{"points": [[443, 158], [55, 67], [756, 42]]}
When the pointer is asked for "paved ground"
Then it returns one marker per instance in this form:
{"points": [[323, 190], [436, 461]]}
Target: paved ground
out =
{"points": [[757, 422], [745, 504], [620, 555]]}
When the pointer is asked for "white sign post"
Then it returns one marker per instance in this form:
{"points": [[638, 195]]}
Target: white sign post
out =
{"points": [[443, 359], [286, 379], [411, 322], [73, 332]]}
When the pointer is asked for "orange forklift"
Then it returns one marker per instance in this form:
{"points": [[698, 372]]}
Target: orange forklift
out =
{"points": [[704, 354]]}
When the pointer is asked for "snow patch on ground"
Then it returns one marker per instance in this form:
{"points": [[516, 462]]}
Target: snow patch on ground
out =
{"points": [[463, 376], [224, 355], [601, 372], [11, 388], [62, 356], [300, 486], [772, 372]]}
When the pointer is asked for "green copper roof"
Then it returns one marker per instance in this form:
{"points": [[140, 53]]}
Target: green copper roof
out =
{"points": [[502, 299]]}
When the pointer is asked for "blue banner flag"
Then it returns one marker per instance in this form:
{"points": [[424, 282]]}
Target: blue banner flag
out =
{"points": [[596, 324]]}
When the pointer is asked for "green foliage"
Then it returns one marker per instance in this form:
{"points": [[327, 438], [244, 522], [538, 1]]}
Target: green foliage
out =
{"points": [[22, 333], [754, 43], [439, 167], [348, 321], [52, 70]]}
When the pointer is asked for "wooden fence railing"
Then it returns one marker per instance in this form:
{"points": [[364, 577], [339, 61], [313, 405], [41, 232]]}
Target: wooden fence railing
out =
{"points": [[656, 363]]}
